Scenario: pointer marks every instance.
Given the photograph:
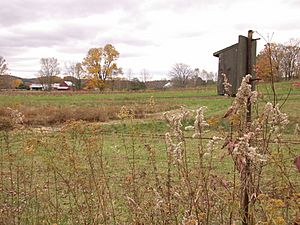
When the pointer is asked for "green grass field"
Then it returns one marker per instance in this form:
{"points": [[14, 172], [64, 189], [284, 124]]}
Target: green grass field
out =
{"points": [[101, 169], [42, 108]]}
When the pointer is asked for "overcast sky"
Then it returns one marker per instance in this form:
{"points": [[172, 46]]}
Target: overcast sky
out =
{"points": [[149, 34]]}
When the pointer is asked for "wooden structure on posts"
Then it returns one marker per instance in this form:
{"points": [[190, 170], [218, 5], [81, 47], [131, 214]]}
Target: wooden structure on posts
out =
{"points": [[233, 63]]}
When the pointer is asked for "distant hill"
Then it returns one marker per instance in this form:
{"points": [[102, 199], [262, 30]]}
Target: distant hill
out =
{"points": [[29, 80], [9, 81], [9, 77]]}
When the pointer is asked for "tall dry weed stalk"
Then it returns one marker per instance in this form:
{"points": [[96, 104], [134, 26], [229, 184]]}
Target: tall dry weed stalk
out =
{"points": [[253, 146]]}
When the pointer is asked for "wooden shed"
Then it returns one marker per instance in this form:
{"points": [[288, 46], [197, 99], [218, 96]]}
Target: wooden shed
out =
{"points": [[233, 63]]}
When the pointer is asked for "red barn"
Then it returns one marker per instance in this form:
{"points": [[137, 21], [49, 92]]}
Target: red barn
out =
{"points": [[66, 85]]}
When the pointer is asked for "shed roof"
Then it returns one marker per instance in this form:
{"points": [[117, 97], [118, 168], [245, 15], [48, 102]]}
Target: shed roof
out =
{"points": [[69, 83], [216, 54]]}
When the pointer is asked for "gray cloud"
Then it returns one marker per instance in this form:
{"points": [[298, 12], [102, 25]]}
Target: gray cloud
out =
{"points": [[131, 54], [140, 29], [295, 3], [11, 51], [65, 33], [16, 11], [129, 39], [33, 40], [22, 64], [73, 48], [191, 34], [288, 25], [68, 32], [243, 26], [281, 26], [184, 5]]}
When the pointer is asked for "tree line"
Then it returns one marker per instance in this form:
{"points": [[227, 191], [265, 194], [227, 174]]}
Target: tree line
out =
{"points": [[99, 68], [279, 61]]}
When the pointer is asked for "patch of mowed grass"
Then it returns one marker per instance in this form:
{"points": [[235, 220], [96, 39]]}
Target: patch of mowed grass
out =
{"points": [[74, 98]]}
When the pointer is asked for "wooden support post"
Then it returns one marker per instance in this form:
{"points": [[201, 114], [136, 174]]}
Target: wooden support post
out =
{"points": [[246, 176]]}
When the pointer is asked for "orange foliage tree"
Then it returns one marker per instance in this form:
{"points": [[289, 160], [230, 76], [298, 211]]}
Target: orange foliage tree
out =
{"points": [[100, 65], [279, 61], [16, 83], [267, 63]]}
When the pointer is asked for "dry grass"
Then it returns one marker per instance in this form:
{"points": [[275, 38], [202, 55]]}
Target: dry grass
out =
{"points": [[55, 115], [83, 174]]}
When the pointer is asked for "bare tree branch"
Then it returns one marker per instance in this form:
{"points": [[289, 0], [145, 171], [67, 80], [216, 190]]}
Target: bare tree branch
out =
{"points": [[3, 66], [180, 74], [49, 69]]}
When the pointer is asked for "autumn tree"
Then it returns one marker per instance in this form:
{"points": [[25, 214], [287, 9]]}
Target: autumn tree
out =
{"points": [[290, 62], [278, 61], [76, 71], [100, 65], [49, 70], [10, 82], [3, 66], [180, 74], [16, 83], [267, 62]]}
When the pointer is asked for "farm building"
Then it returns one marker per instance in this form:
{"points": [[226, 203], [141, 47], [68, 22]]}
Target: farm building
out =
{"points": [[167, 85], [55, 85], [66, 85], [36, 87], [63, 86]]}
